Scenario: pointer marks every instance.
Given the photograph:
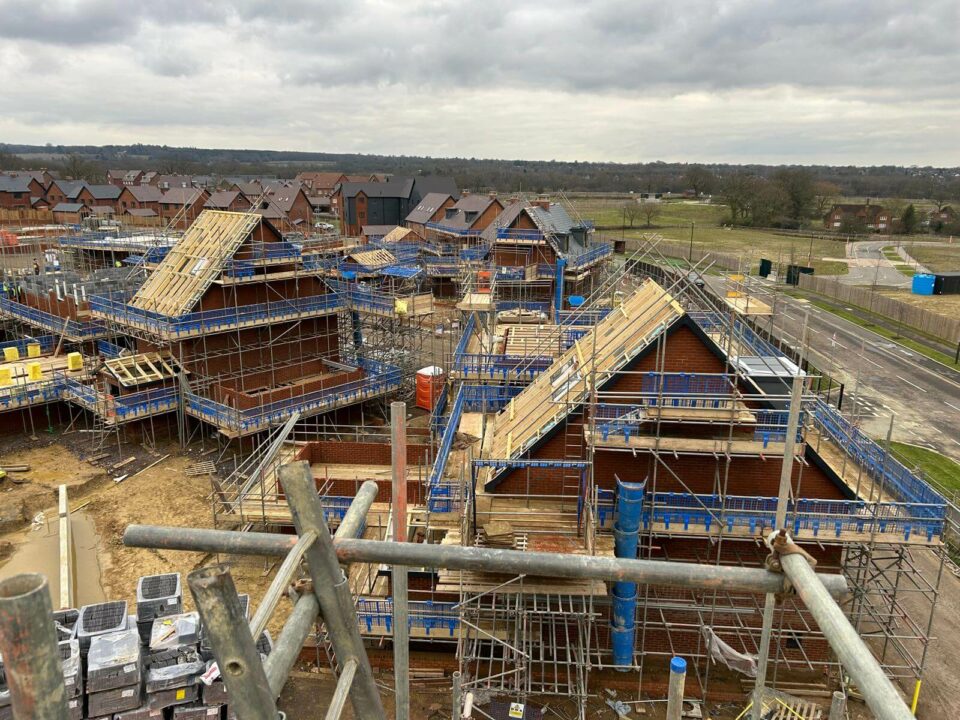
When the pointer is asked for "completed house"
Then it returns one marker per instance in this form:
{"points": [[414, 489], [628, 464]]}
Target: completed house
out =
{"points": [[857, 215], [182, 204], [16, 192], [232, 200]]}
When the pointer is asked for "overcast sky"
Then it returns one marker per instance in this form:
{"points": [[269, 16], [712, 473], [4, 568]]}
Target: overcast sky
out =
{"points": [[798, 81]]}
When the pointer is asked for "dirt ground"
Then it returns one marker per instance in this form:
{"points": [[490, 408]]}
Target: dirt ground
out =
{"points": [[159, 495]]}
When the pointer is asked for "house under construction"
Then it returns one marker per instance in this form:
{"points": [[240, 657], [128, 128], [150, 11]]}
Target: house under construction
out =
{"points": [[588, 407]]}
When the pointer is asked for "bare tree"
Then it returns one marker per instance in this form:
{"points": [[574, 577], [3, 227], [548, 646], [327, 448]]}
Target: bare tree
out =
{"points": [[700, 179], [650, 211], [825, 195], [631, 212]]}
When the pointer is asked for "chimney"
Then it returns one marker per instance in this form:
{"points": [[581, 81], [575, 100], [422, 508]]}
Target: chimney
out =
{"points": [[464, 193], [542, 202], [492, 194]]}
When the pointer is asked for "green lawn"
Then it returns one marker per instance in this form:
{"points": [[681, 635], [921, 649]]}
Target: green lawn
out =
{"points": [[943, 471], [939, 258], [677, 216]]}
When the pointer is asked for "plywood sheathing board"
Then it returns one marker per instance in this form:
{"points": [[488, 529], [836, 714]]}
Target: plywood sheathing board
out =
{"points": [[475, 301], [194, 262], [747, 305], [607, 348], [143, 368], [534, 340]]}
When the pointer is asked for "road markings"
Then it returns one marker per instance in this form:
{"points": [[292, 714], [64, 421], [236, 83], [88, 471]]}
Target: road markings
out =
{"points": [[875, 364], [951, 405], [910, 383]]}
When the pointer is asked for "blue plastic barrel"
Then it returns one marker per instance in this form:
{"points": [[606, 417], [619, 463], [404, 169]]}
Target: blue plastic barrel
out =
{"points": [[923, 284], [576, 300]]}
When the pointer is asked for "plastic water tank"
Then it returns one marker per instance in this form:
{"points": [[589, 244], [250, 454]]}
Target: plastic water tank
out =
{"points": [[923, 284]]}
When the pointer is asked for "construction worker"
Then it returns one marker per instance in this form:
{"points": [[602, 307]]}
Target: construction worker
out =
{"points": [[36, 268]]}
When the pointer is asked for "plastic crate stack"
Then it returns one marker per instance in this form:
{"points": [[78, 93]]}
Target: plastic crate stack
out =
{"points": [[154, 665]]}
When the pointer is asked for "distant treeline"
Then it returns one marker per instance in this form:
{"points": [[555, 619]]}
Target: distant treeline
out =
{"points": [[504, 175]]}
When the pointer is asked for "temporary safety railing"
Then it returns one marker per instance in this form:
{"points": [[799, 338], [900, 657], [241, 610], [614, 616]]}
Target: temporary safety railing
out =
{"points": [[441, 266], [118, 409], [109, 242], [48, 321], [806, 518], [46, 343], [713, 322], [447, 230], [626, 419], [115, 308], [259, 254], [876, 462], [109, 349], [529, 305], [381, 379], [363, 299], [598, 252], [581, 316], [434, 618], [19, 395], [443, 494], [528, 235]]}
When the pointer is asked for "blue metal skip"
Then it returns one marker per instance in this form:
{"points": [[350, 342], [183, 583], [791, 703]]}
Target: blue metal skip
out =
{"points": [[624, 595]]}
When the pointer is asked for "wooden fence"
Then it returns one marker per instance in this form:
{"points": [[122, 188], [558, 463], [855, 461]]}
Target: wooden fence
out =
{"points": [[939, 326]]}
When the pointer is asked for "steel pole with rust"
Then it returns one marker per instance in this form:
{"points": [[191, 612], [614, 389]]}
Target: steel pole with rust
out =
{"points": [[28, 643], [398, 573], [330, 586]]}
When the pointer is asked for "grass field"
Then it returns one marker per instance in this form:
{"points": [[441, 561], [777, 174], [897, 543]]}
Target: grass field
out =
{"points": [[938, 257], [677, 217], [943, 471], [948, 305]]}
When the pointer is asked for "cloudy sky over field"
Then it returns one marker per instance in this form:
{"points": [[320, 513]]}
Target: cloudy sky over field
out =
{"points": [[799, 81]]}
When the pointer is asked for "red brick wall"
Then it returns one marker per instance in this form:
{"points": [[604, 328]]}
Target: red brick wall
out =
{"points": [[243, 393]]}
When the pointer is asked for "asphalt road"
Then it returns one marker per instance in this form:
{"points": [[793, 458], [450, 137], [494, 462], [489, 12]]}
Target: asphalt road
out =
{"points": [[870, 267], [881, 377]]}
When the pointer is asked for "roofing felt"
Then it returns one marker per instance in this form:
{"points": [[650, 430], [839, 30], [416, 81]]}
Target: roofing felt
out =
{"points": [[427, 208]]}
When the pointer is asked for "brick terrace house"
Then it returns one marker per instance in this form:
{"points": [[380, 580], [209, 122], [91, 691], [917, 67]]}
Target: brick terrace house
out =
{"points": [[140, 197], [430, 209], [384, 203], [186, 200], [321, 183], [470, 215], [293, 204], [106, 195], [15, 192], [68, 191], [866, 215], [232, 200]]}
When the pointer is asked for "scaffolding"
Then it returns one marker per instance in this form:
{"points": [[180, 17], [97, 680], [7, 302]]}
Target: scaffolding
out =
{"points": [[886, 535]]}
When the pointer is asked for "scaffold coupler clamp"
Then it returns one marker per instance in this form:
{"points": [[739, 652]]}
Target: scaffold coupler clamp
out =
{"points": [[779, 543]]}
